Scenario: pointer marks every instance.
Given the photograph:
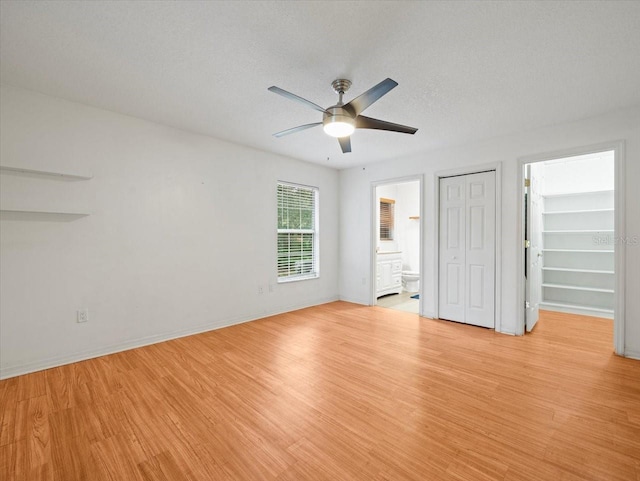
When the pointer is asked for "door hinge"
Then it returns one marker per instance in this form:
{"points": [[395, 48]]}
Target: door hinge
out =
{"points": [[527, 182], [527, 305], [527, 244]]}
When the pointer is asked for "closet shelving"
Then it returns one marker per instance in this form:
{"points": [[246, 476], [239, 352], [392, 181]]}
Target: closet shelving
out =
{"points": [[16, 212], [578, 254]]}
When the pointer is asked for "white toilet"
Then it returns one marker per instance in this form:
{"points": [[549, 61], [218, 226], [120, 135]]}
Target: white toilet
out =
{"points": [[411, 281]]}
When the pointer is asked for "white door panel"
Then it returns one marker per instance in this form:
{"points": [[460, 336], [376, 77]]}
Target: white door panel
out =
{"points": [[452, 252], [481, 209], [476, 284], [454, 219], [454, 274], [533, 254], [467, 249]]}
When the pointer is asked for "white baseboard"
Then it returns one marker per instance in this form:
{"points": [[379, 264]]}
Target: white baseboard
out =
{"points": [[354, 301], [508, 333], [40, 364], [576, 310], [432, 315], [632, 354]]}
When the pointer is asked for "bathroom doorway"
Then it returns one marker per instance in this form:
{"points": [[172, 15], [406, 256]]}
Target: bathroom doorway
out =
{"points": [[397, 241]]}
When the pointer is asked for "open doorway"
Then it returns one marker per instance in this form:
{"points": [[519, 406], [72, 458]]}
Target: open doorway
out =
{"points": [[397, 244], [569, 230]]}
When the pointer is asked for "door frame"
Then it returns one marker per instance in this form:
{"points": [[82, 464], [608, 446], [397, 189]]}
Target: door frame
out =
{"points": [[618, 147], [374, 231], [474, 169]]}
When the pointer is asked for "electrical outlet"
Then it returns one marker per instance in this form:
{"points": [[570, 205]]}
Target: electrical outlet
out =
{"points": [[82, 315], [260, 290]]}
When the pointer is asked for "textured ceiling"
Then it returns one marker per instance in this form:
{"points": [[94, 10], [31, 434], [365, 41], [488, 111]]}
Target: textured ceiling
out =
{"points": [[466, 70]]}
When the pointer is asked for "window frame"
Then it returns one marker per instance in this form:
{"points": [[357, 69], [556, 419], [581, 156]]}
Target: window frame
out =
{"points": [[314, 231]]}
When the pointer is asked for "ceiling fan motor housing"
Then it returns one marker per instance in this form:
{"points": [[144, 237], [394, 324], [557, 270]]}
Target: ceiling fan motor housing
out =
{"points": [[338, 113], [335, 118]]}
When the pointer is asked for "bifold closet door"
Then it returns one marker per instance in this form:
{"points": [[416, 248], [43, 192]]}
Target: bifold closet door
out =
{"points": [[467, 249]]}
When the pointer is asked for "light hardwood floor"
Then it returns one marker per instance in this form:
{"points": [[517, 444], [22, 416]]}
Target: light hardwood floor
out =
{"points": [[335, 392]]}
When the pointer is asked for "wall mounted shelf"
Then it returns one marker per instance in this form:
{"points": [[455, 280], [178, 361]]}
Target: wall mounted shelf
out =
{"points": [[41, 215], [591, 251], [584, 271], [578, 231], [44, 173], [582, 211], [590, 193], [577, 288], [575, 308], [42, 212]]}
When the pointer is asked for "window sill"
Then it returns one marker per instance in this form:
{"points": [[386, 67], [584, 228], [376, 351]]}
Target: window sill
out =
{"points": [[286, 280]]}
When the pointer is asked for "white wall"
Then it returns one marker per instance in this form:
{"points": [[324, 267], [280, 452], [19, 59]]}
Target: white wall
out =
{"points": [[583, 173], [406, 237], [408, 205], [182, 232], [355, 188]]}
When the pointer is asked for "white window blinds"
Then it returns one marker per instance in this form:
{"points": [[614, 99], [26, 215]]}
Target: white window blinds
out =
{"points": [[297, 232], [386, 218]]}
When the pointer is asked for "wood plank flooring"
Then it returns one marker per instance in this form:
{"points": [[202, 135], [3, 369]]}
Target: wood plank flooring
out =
{"points": [[335, 392]]}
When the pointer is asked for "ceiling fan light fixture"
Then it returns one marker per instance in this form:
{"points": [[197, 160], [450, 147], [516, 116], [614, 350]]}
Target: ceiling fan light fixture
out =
{"points": [[339, 126]]}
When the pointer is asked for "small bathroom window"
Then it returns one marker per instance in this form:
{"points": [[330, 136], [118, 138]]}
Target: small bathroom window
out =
{"points": [[386, 218]]}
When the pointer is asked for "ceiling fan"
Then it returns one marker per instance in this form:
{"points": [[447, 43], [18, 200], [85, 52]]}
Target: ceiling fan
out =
{"points": [[340, 120]]}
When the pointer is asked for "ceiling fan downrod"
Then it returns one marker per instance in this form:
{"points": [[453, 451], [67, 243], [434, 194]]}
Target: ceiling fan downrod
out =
{"points": [[340, 86]]}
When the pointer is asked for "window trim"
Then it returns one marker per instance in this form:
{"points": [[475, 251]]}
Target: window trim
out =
{"points": [[315, 232]]}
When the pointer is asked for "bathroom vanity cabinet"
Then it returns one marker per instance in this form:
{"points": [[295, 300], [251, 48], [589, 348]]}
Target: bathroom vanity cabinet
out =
{"points": [[388, 273]]}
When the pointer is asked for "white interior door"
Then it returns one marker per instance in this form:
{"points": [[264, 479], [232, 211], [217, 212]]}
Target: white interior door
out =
{"points": [[481, 250], [452, 249], [533, 253], [467, 249]]}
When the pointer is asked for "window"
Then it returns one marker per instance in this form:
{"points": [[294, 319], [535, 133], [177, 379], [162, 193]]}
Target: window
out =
{"points": [[386, 218], [297, 232]]}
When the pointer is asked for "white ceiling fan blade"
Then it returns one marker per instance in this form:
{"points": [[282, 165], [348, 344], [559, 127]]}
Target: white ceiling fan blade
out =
{"points": [[360, 103], [295, 98], [293, 130], [363, 122], [345, 144]]}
